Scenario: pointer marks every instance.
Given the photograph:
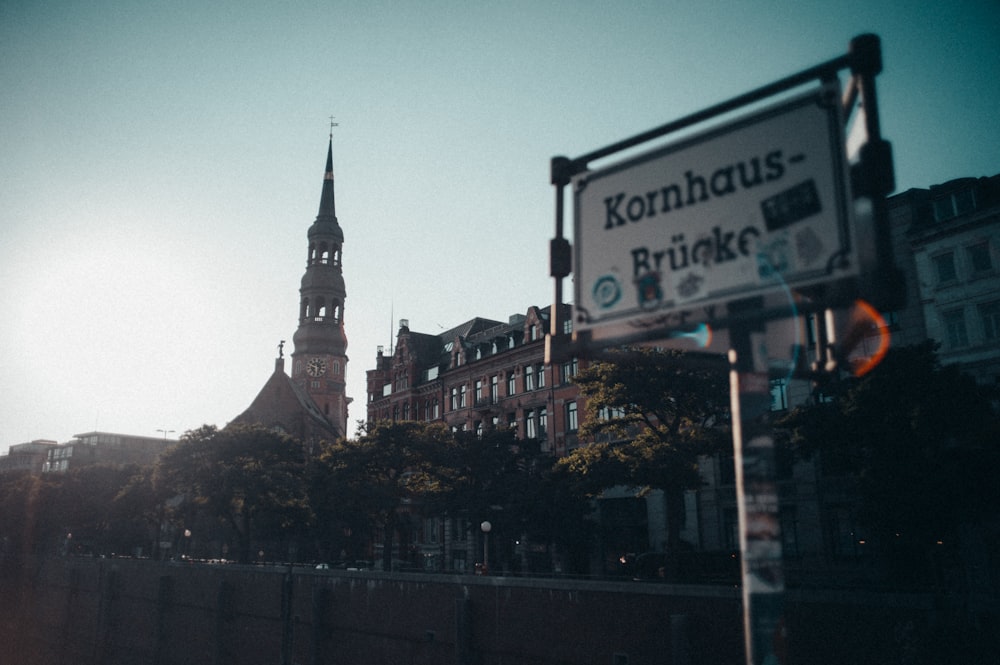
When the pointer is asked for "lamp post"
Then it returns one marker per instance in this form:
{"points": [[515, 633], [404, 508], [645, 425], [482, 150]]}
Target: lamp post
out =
{"points": [[486, 527], [165, 432]]}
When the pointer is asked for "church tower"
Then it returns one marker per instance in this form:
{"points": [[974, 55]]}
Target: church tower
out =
{"points": [[319, 361]]}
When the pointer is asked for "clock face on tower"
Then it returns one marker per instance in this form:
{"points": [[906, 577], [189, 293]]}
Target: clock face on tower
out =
{"points": [[316, 367]]}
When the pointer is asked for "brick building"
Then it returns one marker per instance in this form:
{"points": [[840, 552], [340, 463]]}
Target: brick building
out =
{"points": [[480, 374]]}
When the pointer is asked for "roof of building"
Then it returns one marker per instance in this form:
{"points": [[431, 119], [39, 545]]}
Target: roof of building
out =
{"points": [[283, 404]]}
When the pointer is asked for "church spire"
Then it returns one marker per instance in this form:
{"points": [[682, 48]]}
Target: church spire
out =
{"points": [[327, 207], [320, 356]]}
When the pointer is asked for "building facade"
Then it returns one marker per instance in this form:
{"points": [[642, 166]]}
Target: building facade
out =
{"points": [[480, 374], [952, 236], [106, 448], [30, 457]]}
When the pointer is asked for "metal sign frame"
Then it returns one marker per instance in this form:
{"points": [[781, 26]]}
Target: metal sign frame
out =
{"points": [[774, 184], [871, 177], [758, 502]]}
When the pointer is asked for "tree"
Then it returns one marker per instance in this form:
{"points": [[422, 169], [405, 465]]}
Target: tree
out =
{"points": [[19, 515], [379, 473], [652, 413], [248, 477], [142, 504], [919, 441]]}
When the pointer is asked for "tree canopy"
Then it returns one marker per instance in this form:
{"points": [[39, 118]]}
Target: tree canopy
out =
{"points": [[919, 441], [245, 476], [387, 466], [651, 413]]}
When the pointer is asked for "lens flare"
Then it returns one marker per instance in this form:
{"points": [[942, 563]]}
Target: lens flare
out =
{"points": [[864, 317]]}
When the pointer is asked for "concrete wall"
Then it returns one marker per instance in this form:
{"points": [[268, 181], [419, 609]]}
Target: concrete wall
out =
{"points": [[105, 612]]}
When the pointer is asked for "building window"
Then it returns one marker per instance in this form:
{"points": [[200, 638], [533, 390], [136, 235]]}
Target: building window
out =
{"points": [[953, 205], [610, 413], [731, 529], [512, 421], [534, 331], [540, 373], [572, 424], [567, 325], [529, 424], [406, 411], [511, 383], [954, 327], [494, 388], [989, 315], [568, 371], [454, 398], [479, 429], [437, 409], [479, 391], [779, 394], [529, 378], [543, 422], [461, 396], [891, 319], [979, 257], [944, 267]]}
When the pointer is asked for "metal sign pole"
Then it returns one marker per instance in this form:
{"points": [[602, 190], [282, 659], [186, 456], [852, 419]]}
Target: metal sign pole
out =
{"points": [[757, 499]]}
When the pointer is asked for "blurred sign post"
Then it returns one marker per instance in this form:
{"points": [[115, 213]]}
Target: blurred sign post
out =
{"points": [[745, 223]]}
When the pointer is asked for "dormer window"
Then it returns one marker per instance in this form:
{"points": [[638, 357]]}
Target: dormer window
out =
{"points": [[954, 204]]}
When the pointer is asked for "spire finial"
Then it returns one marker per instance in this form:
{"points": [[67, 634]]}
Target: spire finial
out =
{"points": [[332, 125]]}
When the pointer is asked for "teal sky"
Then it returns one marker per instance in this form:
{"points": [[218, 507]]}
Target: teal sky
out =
{"points": [[161, 162]]}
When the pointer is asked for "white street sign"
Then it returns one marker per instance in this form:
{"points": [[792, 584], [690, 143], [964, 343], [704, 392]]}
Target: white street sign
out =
{"points": [[758, 206]]}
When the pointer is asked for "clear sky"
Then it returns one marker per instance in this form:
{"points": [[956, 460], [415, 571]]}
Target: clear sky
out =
{"points": [[161, 162]]}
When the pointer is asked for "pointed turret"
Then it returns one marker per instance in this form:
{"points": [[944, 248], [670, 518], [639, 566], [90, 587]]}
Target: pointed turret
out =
{"points": [[327, 206]]}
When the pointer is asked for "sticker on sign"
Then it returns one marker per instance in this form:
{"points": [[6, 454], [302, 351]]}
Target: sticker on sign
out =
{"points": [[756, 206]]}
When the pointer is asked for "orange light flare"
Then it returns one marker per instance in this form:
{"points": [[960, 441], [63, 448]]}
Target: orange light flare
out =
{"points": [[865, 318]]}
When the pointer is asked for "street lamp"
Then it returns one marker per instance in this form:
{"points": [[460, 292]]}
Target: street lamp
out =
{"points": [[165, 432], [486, 527]]}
